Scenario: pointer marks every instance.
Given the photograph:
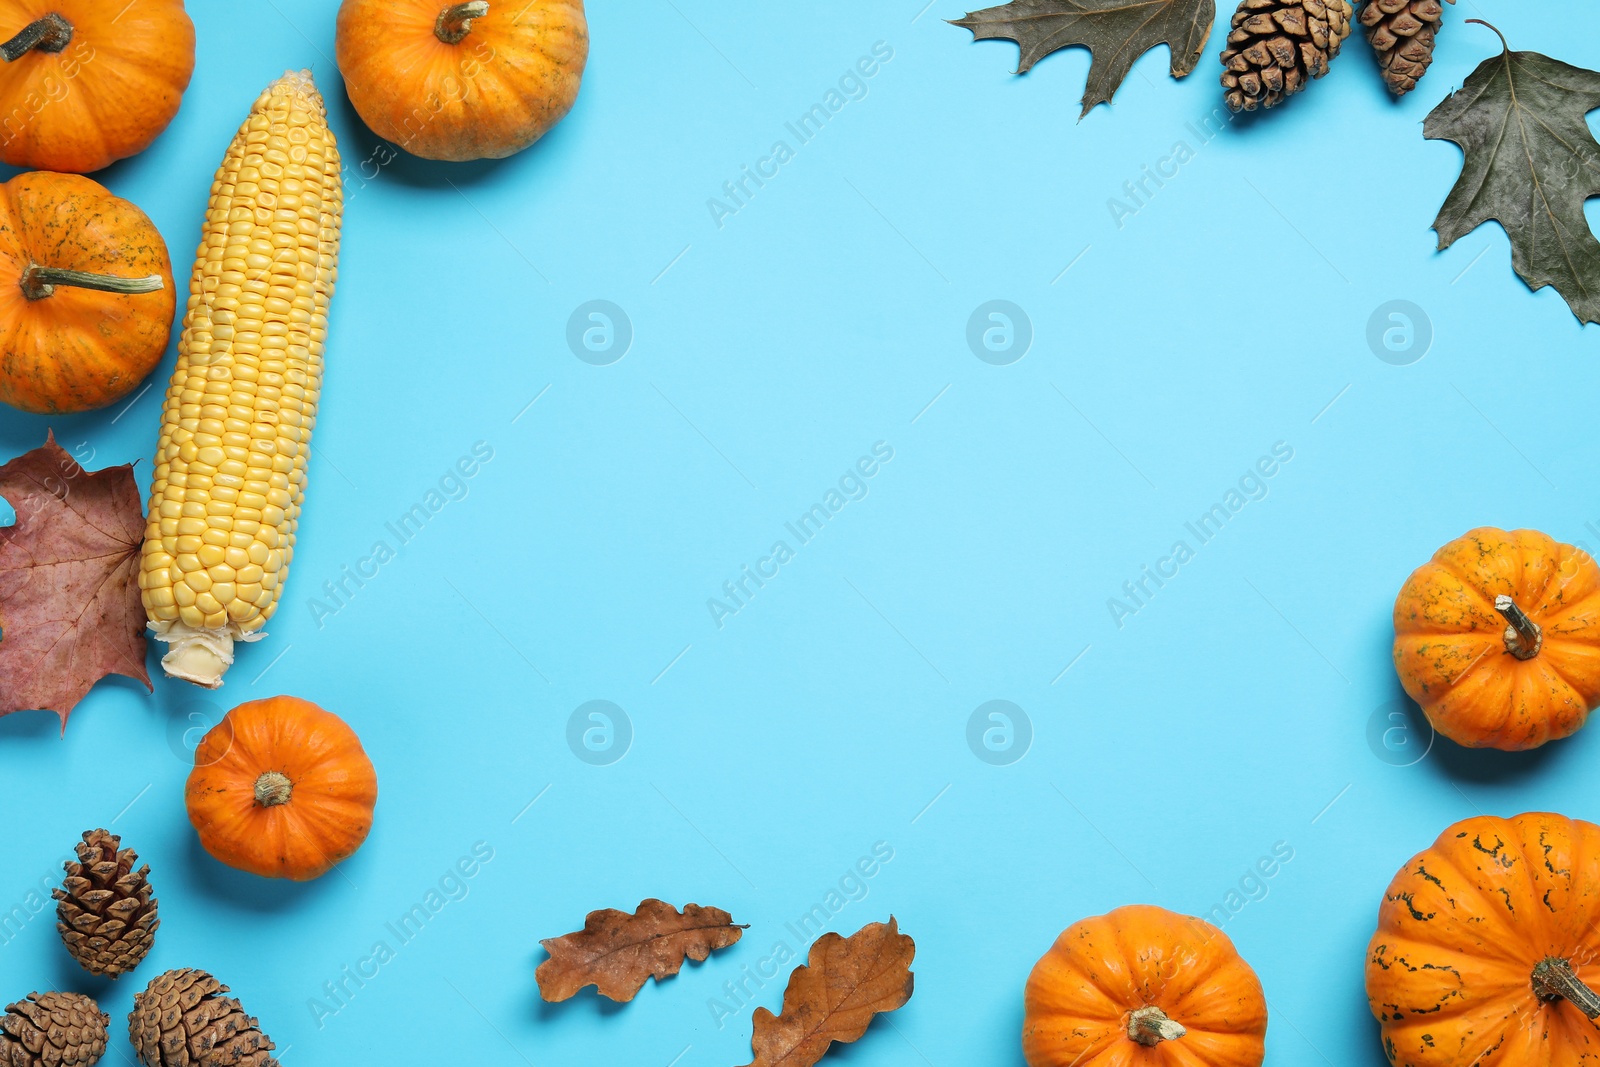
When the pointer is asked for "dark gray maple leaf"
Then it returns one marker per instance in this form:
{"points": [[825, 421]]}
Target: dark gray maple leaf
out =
{"points": [[1530, 163], [1116, 32]]}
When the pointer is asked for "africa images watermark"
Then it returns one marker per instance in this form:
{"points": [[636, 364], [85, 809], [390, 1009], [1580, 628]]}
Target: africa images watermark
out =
{"points": [[451, 886], [1252, 485], [852, 85], [1153, 177], [737, 593], [1253, 885], [452, 485], [850, 888], [33, 903], [48, 90]]}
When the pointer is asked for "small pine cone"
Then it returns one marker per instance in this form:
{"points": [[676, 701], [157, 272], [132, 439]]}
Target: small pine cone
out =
{"points": [[185, 1018], [105, 912], [53, 1030], [1402, 33], [1277, 46]]}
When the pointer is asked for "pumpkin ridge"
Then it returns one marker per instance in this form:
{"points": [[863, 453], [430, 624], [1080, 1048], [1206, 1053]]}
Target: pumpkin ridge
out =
{"points": [[308, 818], [1063, 964], [1476, 585], [1573, 698], [1529, 548], [1214, 1011], [1560, 939], [1445, 871], [1557, 654]]}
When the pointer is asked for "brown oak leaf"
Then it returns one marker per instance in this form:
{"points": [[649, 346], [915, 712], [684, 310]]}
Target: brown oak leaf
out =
{"points": [[69, 581], [844, 983], [615, 952]]}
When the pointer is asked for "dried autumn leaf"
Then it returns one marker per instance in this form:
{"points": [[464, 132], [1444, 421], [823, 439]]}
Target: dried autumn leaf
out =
{"points": [[69, 581], [844, 983], [1116, 32], [615, 952], [1530, 164]]}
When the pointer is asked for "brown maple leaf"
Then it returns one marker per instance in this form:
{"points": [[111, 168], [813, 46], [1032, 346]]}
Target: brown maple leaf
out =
{"points": [[844, 983], [69, 581], [615, 952]]}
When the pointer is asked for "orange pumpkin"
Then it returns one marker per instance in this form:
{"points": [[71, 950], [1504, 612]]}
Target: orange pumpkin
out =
{"points": [[86, 296], [85, 83], [1143, 985], [1498, 639], [282, 789], [457, 81], [1488, 947]]}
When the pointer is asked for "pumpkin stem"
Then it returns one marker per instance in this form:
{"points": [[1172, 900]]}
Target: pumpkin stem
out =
{"points": [[1150, 1026], [1523, 636], [455, 21], [39, 282], [273, 788], [1553, 979], [49, 34]]}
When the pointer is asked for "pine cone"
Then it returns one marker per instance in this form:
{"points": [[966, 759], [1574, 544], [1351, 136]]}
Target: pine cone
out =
{"points": [[1277, 46], [1402, 33], [185, 1019], [53, 1030], [106, 914]]}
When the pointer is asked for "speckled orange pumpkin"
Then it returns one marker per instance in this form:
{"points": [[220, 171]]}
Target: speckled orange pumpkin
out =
{"points": [[1143, 985], [1488, 947], [1498, 638], [458, 81], [86, 296], [84, 83], [282, 789]]}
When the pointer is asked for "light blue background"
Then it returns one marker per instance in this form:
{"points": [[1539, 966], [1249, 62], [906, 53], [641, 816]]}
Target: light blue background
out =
{"points": [[830, 713]]}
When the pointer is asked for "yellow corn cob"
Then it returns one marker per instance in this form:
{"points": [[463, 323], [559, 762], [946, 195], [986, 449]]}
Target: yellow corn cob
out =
{"points": [[230, 469]]}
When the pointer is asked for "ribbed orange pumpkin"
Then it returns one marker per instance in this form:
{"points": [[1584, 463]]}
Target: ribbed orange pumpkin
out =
{"points": [[1488, 947], [86, 296], [1498, 638], [282, 789], [458, 81], [84, 83], [1143, 985]]}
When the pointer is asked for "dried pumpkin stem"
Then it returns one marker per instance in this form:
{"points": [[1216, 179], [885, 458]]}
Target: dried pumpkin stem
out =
{"points": [[1150, 1026], [455, 21], [51, 33], [1553, 979], [273, 788], [1523, 636], [39, 282]]}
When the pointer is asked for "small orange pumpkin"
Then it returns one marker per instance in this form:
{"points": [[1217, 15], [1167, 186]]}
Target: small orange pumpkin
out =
{"points": [[1143, 985], [1498, 639], [1488, 947], [458, 81], [84, 83], [86, 296], [282, 789]]}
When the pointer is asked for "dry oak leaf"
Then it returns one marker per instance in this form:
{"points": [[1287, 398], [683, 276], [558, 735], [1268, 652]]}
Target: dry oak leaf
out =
{"points": [[1116, 32], [844, 983], [615, 952], [69, 581], [1530, 164]]}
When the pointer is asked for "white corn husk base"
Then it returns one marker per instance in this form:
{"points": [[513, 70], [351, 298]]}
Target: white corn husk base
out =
{"points": [[200, 656]]}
